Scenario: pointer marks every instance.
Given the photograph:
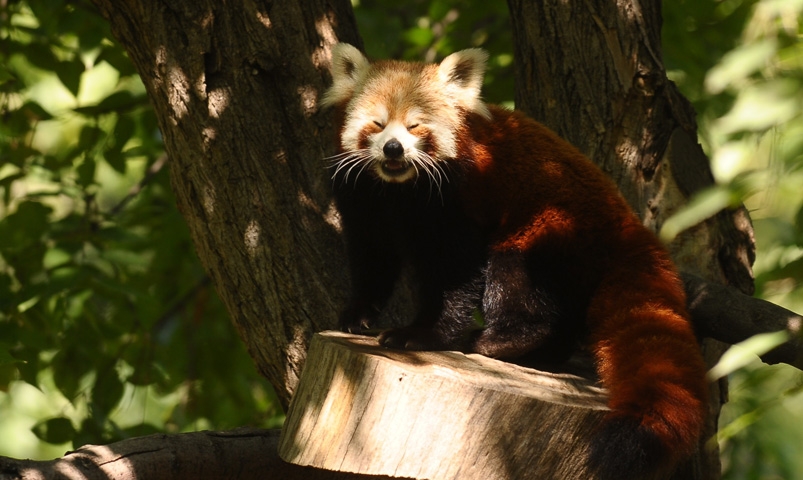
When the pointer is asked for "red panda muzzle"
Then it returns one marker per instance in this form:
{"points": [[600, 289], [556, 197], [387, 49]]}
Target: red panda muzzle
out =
{"points": [[393, 149]]}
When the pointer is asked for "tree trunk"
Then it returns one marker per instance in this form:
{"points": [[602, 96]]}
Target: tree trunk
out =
{"points": [[593, 72], [235, 90]]}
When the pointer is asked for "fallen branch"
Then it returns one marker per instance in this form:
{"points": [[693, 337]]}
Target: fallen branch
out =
{"points": [[244, 454]]}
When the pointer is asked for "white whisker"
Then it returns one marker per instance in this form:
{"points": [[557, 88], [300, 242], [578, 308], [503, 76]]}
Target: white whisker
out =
{"points": [[433, 168], [346, 162], [365, 164]]}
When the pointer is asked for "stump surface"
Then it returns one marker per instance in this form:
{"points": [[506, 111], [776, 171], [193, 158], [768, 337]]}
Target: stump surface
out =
{"points": [[367, 409]]}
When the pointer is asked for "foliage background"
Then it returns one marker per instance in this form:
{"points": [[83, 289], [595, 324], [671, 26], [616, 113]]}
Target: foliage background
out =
{"points": [[741, 64], [108, 325]]}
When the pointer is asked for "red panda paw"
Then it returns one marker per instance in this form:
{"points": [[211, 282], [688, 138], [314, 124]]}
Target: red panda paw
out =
{"points": [[410, 338], [358, 320]]}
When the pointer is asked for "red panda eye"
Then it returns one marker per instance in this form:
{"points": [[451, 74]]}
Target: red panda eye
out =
{"points": [[410, 127], [379, 124]]}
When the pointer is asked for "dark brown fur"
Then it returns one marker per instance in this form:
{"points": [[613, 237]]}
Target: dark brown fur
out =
{"points": [[530, 235]]}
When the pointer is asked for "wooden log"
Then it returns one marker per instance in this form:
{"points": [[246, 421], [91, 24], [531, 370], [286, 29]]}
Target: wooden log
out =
{"points": [[367, 409], [245, 454]]}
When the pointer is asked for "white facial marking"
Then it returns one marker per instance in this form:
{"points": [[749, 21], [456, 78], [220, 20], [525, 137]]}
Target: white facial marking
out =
{"points": [[409, 142], [422, 111], [399, 132]]}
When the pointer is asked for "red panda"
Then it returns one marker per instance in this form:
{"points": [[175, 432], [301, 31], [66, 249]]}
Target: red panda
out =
{"points": [[504, 221]]}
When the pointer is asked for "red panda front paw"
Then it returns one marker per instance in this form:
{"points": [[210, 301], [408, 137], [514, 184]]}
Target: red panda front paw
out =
{"points": [[357, 320], [410, 338]]}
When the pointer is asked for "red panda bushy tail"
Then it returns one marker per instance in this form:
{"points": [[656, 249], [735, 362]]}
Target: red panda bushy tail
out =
{"points": [[649, 360]]}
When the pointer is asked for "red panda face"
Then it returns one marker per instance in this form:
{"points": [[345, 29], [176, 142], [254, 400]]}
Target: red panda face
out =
{"points": [[394, 148], [401, 118], [398, 139]]}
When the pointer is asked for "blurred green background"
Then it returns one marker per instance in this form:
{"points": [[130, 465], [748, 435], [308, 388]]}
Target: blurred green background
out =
{"points": [[108, 325]]}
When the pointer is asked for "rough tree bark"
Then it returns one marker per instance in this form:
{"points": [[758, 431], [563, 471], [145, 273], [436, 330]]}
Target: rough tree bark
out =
{"points": [[234, 87], [235, 90], [568, 57], [242, 454]]}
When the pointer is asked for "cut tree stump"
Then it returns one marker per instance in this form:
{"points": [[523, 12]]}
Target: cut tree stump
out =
{"points": [[367, 409]]}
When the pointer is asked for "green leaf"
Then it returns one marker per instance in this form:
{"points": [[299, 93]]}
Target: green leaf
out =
{"points": [[86, 172], [25, 227], [5, 355], [420, 37], [69, 366], [40, 55], [740, 63], [55, 430], [8, 298], [108, 389], [35, 112], [763, 106], [116, 159], [116, 57], [141, 430], [69, 72], [704, 205], [48, 12], [116, 102], [741, 354], [89, 137], [91, 430], [5, 75], [8, 374], [123, 131], [30, 365], [21, 121], [439, 8]]}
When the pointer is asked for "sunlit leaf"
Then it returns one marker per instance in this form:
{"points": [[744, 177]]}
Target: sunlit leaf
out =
{"points": [[118, 101], [79, 280], [419, 36], [763, 106], [740, 63], [743, 353], [704, 205]]}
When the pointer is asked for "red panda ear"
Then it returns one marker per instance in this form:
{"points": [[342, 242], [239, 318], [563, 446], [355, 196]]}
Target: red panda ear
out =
{"points": [[461, 74], [349, 66]]}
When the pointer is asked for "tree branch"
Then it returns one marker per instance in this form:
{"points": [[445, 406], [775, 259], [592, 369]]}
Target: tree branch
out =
{"points": [[725, 314], [245, 454], [154, 169]]}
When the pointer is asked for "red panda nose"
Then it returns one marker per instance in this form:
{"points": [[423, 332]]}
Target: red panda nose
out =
{"points": [[393, 149]]}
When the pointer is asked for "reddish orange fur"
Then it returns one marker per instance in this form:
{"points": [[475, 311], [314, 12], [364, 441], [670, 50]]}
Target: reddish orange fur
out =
{"points": [[537, 195], [646, 352]]}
